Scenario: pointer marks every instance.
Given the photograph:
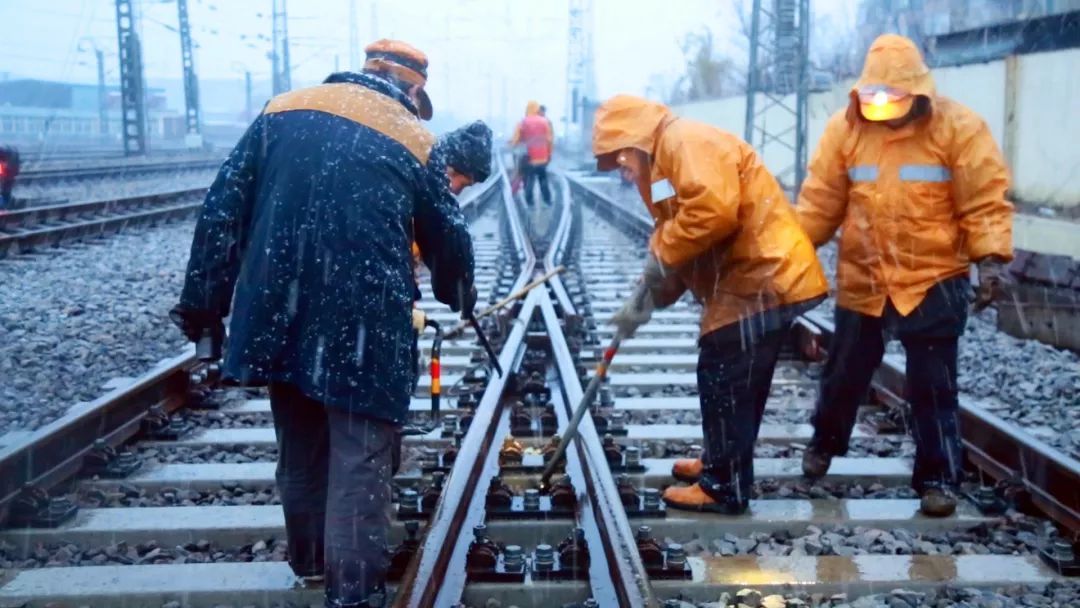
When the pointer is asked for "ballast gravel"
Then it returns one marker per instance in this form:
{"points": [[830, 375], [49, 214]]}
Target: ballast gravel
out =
{"points": [[60, 191], [76, 317]]}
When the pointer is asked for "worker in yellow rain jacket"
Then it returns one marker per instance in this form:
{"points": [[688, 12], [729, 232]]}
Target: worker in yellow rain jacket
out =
{"points": [[725, 231], [916, 185]]}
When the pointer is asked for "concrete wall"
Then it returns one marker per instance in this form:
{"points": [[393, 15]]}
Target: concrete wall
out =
{"points": [[1041, 140]]}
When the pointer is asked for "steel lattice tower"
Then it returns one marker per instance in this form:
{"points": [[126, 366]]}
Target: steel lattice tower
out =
{"points": [[581, 87], [777, 80], [191, 82], [132, 90]]}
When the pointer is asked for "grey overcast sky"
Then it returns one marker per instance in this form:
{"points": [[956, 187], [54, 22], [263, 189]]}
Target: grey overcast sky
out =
{"points": [[487, 56]]}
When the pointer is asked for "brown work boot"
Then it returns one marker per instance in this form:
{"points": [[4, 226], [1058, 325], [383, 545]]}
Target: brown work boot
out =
{"points": [[937, 501], [687, 469], [815, 463], [694, 498]]}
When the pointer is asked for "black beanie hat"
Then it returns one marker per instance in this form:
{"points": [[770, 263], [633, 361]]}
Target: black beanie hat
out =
{"points": [[468, 150]]}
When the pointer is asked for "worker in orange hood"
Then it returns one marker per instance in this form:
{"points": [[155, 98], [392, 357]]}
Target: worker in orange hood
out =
{"points": [[534, 131], [917, 185], [725, 231]]}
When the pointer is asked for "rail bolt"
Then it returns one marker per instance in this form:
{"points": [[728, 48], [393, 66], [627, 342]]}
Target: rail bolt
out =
{"points": [[617, 421], [498, 495], [590, 603], [411, 529], [450, 423], [633, 456], [532, 499], [628, 494], [651, 500], [676, 557], [612, 451], [408, 501], [606, 398], [544, 559], [429, 457], [513, 558]]}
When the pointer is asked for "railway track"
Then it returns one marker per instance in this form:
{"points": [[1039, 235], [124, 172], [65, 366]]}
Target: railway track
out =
{"points": [[471, 524], [68, 172], [35, 228]]}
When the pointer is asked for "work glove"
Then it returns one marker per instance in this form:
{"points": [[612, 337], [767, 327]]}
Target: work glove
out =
{"points": [[418, 320], [635, 312], [654, 274], [994, 282], [203, 327]]}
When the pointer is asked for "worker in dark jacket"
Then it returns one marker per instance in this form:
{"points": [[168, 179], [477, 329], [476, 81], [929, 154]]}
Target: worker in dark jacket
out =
{"points": [[9, 170], [311, 218]]}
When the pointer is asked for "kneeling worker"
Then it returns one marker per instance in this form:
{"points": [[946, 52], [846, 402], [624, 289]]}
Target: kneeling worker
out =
{"points": [[725, 230], [311, 219], [918, 185]]}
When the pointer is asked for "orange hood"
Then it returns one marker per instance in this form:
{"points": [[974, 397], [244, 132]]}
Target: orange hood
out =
{"points": [[894, 61], [625, 121], [532, 108]]}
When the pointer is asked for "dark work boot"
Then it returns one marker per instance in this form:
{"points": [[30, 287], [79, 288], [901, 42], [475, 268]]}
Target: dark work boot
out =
{"points": [[937, 500], [815, 463]]}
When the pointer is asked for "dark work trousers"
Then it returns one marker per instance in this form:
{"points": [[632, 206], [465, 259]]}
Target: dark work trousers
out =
{"points": [[929, 334], [333, 474], [533, 174]]}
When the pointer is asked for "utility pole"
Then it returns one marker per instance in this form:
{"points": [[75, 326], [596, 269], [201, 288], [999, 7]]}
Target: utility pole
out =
{"points": [[778, 75], [282, 72], [102, 94], [193, 139], [132, 91]]}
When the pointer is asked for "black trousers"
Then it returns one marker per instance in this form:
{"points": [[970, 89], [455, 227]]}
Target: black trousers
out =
{"points": [[333, 474], [930, 335], [533, 174], [6, 185], [735, 371]]}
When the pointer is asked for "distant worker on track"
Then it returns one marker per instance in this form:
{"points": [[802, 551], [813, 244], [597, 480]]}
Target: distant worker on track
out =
{"points": [[9, 170], [918, 186], [725, 231], [534, 131], [311, 218]]}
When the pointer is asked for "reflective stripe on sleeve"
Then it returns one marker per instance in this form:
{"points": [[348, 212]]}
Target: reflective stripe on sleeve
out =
{"points": [[863, 173], [925, 173]]}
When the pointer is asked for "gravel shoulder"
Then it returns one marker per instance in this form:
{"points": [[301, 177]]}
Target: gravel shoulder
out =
{"points": [[76, 317]]}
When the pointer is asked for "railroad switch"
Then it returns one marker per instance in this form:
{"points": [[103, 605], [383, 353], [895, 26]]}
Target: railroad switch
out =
{"points": [[487, 562], [403, 553], [159, 425], [644, 504], [1060, 554], [988, 501], [34, 508], [105, 462]]}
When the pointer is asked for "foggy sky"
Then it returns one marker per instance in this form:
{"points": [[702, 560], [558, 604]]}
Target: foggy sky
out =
{"points": [[488, 57]]}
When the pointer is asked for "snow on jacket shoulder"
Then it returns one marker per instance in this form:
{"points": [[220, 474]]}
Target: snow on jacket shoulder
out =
{"points": [[312, 217]]}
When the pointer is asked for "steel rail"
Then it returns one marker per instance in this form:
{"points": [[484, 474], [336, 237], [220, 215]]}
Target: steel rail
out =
{"points": [[36, 227], [429, 576], [1002, 450], [55, 451], [624, 569], [78, 173]]}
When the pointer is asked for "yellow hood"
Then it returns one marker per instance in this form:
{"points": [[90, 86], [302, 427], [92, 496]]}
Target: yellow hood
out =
{"points": [[532, 108], [625, 121], [894, 61]]}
